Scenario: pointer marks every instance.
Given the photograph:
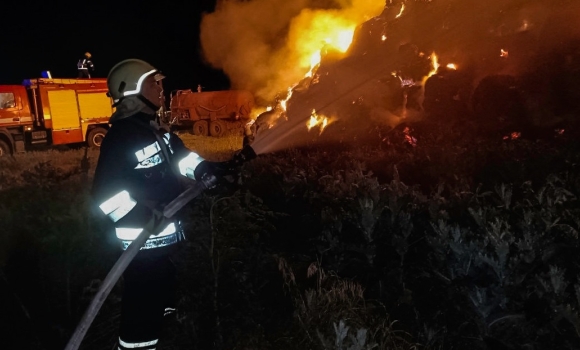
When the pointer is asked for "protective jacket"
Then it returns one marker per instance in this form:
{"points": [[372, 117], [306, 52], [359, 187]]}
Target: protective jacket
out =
{"points": [[138, 172], [83, 66]]}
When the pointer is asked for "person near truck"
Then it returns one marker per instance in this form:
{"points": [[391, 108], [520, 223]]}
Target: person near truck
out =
{"points": [[140, 169], [85, 66]]}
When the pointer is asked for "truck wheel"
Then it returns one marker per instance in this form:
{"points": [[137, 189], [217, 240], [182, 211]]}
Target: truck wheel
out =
{"points": [[95, 137], [200, 128], [217, 128], [4, 149]]}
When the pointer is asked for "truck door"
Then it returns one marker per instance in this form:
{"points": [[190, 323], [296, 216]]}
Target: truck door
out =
{"points": [[64, 112], [95, 108], [9, 109]]}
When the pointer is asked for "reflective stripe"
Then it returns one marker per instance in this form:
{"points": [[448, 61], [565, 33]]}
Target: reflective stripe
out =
{"points": [[188, 164], [118, 206], [130, 234], [168, 236], [158, 242], [137, 345], [150, 162], [139, 83], [148, 151], [149, 156], [166, 137], [168, 311]]}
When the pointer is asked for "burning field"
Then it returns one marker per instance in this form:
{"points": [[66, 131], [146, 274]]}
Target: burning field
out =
{"points": [[417, 186], [327, 71]]}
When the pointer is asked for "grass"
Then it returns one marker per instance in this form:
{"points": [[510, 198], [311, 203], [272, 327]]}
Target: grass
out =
{"points": [[70, 159]]}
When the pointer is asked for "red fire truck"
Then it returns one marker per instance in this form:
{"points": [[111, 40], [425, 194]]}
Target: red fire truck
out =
{"points": [[53, 112]]}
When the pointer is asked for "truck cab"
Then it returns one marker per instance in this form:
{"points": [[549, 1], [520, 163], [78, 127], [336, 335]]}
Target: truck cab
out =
{"points": [[15, 115]]}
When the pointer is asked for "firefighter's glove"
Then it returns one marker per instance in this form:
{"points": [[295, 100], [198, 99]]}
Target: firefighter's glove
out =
{"points": [[221, 170], [157, 223], [243, 155]]}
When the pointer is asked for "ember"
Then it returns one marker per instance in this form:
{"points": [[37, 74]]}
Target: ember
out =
{"points": [[513, 136]]}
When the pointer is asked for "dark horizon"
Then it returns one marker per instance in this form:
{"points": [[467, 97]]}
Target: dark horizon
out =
{"points": [[52, 37]]}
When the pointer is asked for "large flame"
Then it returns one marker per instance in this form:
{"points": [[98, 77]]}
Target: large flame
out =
{"points": [[314, 32], [266, 46]]}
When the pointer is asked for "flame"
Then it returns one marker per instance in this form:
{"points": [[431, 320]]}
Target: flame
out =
{"points": [[316, 120], [503, 53], [324, 30], [314, 32], [434, 64], [434, 67], [401, 12], [409, 138], [452, 66], [284, 101], [314, 62]]}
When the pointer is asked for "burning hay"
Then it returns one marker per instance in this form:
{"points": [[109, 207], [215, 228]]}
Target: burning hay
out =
{"points": [[332, 70]]}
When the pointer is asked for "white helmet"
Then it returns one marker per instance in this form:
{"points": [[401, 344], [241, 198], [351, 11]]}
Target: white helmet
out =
{"points": [[126, 77]]}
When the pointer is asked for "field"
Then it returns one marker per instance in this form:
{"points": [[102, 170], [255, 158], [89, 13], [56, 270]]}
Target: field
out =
{"points": [[460, 239]]}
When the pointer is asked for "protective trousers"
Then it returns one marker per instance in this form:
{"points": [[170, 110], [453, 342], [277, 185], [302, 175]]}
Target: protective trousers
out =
{"points": [[84, 73], [149, 288]]}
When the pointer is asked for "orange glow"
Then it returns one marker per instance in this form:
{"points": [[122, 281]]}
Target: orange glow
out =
{"points": [[503, 53], [452, 66], [316, 31], [324, 29], [513, 136], [316, 120]]}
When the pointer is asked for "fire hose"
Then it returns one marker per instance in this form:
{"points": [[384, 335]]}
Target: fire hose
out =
{"points": [[127, 256]]}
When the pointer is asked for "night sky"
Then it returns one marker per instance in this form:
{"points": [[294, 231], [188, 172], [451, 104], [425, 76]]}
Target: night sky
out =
{"points": [[52, 36]]}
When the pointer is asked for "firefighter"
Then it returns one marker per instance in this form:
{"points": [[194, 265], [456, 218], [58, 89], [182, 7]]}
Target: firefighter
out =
{"points": [[84, 65], [139, 170]]}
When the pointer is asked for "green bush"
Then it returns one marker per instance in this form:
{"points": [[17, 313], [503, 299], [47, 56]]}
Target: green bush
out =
{"points": [[459, 240]]}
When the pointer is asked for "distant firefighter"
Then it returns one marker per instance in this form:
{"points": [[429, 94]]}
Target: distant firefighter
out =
{"points": [[85, 66]]}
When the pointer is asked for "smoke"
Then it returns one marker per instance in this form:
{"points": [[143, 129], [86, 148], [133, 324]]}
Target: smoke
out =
{"points": [[263, 46]]}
